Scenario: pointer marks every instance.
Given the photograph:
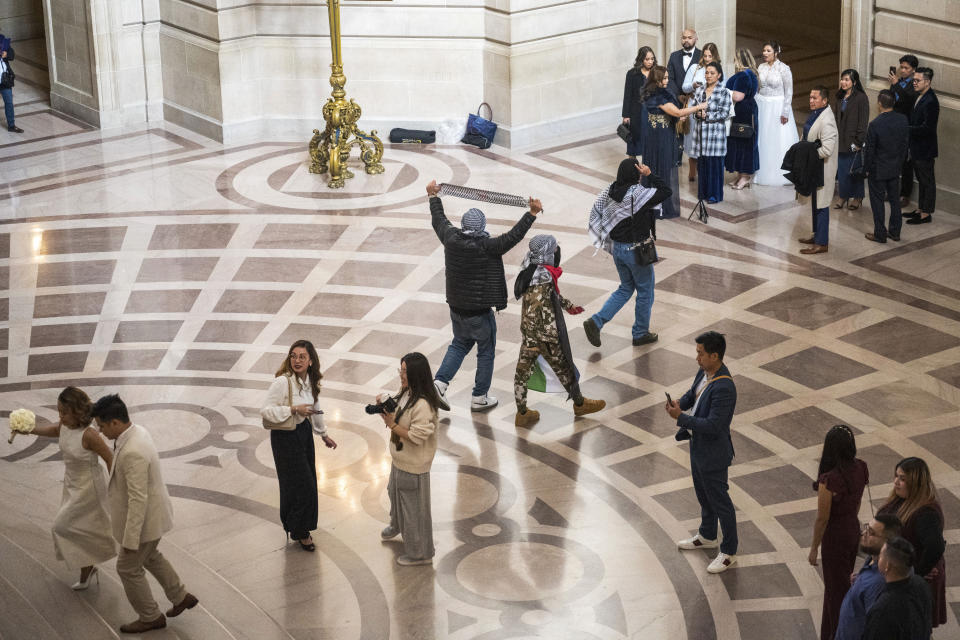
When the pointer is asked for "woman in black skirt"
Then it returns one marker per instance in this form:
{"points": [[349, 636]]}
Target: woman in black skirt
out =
{"points": [[294, 393]]}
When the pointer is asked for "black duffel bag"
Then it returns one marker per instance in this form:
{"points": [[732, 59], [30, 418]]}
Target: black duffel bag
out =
{"points": [[412, 136]]}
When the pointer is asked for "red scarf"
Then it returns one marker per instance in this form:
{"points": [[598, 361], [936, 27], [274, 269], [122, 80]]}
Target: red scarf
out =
{"points": [[556, 272]]}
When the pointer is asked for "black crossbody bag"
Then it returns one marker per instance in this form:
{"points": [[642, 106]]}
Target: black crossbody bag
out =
{"points": [[645, 252]]}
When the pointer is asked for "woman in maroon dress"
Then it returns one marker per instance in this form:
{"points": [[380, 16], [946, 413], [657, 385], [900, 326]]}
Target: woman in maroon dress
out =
{"points": [[914, 500], [839, 486]]}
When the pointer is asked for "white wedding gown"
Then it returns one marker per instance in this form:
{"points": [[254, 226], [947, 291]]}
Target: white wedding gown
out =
{"points": [[774, 99], [82, 535]]}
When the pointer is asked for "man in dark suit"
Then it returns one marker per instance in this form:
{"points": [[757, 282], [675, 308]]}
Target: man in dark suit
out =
{"points": [[901, 84], [712, 400], [681, 59], [884, 153], [923, 144]]}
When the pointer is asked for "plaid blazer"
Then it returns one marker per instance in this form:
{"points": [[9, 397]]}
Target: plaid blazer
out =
{"points": [[712, 140]]}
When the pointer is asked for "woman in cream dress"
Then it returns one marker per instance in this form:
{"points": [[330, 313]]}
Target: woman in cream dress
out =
{"points": [[776, 129], [82, 535]]}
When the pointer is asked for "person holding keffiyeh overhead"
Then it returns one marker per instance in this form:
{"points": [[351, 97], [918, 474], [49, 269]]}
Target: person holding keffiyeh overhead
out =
{"points": [[542, 329], [623, 216]]}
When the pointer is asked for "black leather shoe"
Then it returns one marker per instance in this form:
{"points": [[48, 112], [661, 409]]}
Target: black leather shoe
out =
{"points": [[913, 214], [646, 338], [593, 331], [873, 238], [920, 220], [189, 602], [15, 129], [895, 238]]}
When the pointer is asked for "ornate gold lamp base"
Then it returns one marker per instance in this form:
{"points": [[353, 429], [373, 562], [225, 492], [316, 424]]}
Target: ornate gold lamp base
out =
{"points": [[330, 150]]}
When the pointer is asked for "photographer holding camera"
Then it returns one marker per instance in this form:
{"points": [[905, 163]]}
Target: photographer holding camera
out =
{"points": [[411, 416]]}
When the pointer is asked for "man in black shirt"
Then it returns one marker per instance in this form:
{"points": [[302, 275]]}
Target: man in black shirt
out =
{"points": [[476, 284], [903, 611], [901, 84]]}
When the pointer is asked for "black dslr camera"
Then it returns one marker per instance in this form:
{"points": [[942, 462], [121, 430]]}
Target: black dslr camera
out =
{"points": [[387, 406]]}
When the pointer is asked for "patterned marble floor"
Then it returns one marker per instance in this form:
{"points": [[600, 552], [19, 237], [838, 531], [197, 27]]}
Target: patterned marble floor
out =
{"points": [[154, 263]]}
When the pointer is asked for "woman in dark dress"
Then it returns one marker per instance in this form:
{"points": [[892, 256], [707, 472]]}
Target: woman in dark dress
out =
{"points": [[743, 155], [852, 112], [293, 398], [841, 479], [661, 149], [632, 112], [914, 500]]}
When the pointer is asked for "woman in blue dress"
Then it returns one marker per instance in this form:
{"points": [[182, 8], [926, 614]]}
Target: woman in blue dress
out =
{"points": [[661, 149], [743, 154]]}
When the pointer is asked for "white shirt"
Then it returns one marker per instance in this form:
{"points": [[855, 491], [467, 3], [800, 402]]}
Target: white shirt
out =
{"points": [[276, 408], [687, 58]]}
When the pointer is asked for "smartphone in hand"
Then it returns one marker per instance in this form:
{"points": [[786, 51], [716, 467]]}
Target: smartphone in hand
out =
{"points": [[669, 399]]}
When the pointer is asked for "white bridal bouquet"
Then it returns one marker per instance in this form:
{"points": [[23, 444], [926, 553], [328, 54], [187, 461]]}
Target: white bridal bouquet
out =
{"points": [[21, 421]]}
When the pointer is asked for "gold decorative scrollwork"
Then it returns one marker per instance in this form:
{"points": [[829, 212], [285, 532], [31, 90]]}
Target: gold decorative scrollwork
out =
{"points": [[330, 150]]}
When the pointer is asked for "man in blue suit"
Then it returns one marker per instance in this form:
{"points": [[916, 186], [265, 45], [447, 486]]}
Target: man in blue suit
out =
{"points": [[711, 400], [884, 154]]}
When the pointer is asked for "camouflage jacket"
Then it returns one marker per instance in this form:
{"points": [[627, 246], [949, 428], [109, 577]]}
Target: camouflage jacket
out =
{"points": [[538, 320]]}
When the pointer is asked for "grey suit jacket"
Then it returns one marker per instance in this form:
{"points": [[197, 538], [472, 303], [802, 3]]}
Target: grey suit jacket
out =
{"points": [[140, 506]]}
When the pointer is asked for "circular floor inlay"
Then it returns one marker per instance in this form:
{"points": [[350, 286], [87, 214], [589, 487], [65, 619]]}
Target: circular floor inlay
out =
{"points": [[519, 571], [236, 436], [486, 530], [457, 496]]}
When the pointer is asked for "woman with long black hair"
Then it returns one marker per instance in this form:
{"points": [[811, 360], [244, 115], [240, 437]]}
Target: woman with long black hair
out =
{"points": [[295, 393], [841, 479], [852, 111], [413, 445], [632, 112]]}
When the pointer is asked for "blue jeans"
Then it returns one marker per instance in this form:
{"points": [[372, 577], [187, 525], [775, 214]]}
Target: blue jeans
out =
{"points": [[8, 105], [633, 277], [468, 331]]}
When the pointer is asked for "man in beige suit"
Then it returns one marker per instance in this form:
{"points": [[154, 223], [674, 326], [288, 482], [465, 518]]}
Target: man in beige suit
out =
{"points": [[141, 512], [822, 126]]}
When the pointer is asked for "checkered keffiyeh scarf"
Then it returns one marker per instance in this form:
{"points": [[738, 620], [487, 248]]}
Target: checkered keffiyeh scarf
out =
{"points": [[542, 250], [608, 213], [474, 223]]}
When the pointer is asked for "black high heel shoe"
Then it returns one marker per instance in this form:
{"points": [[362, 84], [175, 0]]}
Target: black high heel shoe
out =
{"points": [[311, 547]]}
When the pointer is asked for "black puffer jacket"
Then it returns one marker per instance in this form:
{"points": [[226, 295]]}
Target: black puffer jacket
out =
{"points": [[474, 265]]}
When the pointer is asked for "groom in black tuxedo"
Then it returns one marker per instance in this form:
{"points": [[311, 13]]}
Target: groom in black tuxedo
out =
{"points": [[679, 60]]}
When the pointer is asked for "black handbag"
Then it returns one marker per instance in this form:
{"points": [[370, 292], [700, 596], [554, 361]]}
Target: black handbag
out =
{"points": [[857, 169], [624, 131], [739, 130], [645, 253], [412, 136], [7, 78]]}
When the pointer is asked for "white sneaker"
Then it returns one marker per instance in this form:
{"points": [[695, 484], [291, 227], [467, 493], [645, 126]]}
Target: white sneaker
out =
{"points": [[483, 403], [721, 563], [441, 388], [698, 542]]}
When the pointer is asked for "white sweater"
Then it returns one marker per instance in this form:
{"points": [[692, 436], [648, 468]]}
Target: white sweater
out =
{"points": [[276, 408]]}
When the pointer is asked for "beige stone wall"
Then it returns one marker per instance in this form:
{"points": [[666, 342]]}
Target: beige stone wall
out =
{"points": [[21, 19], [931, 31], [69, 32]]}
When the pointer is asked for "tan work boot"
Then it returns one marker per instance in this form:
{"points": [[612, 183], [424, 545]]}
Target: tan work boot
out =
{"points": [[527, 419], [588, 406]]}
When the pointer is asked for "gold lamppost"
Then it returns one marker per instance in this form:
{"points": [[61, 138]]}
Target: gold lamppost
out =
{"points": [[330, 150]]}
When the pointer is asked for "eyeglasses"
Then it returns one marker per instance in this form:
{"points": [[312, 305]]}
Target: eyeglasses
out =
{"points": [[299, 357]]}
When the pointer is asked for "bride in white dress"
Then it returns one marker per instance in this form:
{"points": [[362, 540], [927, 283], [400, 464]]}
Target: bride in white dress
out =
{"points": [[776, 128], [82, 535]]}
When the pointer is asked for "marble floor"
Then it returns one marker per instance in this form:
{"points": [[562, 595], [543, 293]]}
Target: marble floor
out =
{"points": [[175, 271]]}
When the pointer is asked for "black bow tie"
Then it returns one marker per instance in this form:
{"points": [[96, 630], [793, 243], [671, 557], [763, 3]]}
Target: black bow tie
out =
{"points": [[688, 53]]}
